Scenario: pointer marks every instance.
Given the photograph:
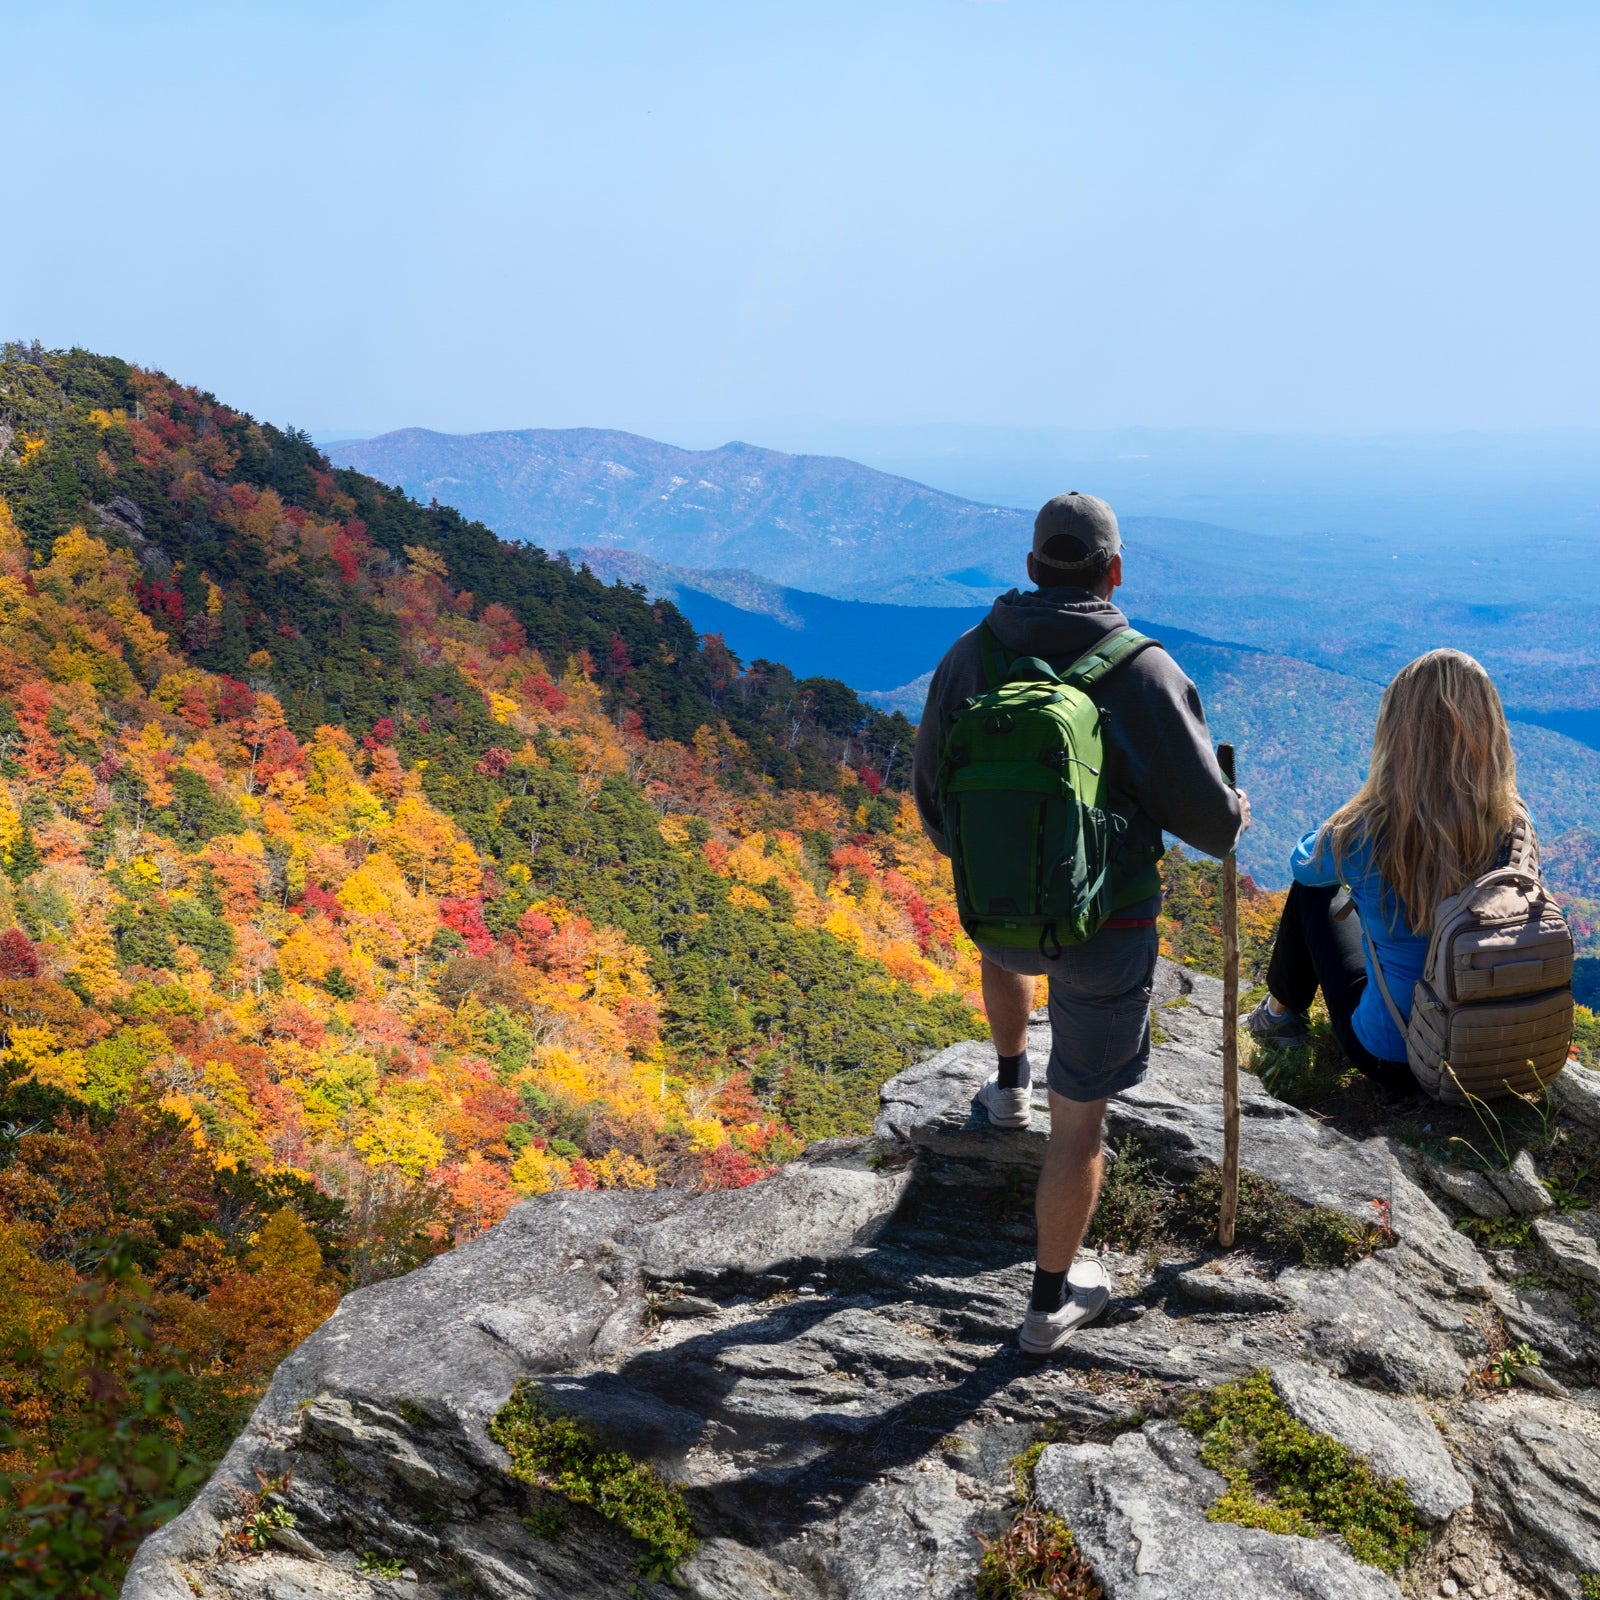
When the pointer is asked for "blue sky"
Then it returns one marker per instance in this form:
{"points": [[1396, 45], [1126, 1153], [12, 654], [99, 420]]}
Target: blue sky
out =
{"points": [[695, 219]]}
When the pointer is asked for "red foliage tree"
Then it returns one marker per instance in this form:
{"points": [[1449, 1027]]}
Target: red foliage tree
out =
{"points": [[40, 755], [463, 914], [18, 958], [159, 600], [507, 636], [235, 700], [539, 688], [728, 1167], [280, 752], [620, 665], [316, 898]]}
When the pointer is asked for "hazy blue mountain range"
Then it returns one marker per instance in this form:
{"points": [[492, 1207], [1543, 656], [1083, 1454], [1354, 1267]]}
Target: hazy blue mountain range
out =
{"points": [[786, 517], [1425, 489], [1517, 591]]}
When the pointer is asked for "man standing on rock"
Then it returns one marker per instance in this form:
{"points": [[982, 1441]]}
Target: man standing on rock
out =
{"points": [[1160, 773]]}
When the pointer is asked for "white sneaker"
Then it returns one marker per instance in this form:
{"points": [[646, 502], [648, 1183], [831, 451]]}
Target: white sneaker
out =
{"points": [[1043, 1333], [1007, 1108]]}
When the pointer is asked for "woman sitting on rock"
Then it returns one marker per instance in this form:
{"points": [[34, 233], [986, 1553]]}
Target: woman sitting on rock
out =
{"points": [[1436, 811]]}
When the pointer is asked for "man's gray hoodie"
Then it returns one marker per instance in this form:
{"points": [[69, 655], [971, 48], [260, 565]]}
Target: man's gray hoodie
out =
{"points": [[1160, 767]]}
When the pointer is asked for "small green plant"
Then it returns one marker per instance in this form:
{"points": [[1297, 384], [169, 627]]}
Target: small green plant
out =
{"points": [[1313, 1236], [1499, 1139], [1497, 1233], [341, 1471], [258, 1529], [1134, 1203], [414, 1415], [1036, 1556], [1502, 1370], [546, 1520], [1283, 1477], [1014, 1196], [1139, 1206], [1586, 1036], [1311, 1073], [1022, 1466], [557, 1453], [377, 1566], [1589, 1585]]}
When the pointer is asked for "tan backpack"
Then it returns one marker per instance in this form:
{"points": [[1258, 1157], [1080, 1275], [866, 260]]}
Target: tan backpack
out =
{"points": [[1491, 1014]]}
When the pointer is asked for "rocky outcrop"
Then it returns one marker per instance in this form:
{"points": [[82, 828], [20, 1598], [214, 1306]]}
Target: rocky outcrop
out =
{"points": [[825, 1364], [1138, 1510]]}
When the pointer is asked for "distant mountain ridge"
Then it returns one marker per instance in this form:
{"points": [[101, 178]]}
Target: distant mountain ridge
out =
{"points": [[1522, 602], [738, 506]]}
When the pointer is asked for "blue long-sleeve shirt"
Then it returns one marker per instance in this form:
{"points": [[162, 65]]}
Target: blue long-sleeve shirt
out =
{"points": [[1401, 951]]}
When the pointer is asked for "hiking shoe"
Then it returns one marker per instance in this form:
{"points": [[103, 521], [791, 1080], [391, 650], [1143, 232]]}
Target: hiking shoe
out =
{"points": [[1044, 1332], [1007, 1108], [1286, 1031]]}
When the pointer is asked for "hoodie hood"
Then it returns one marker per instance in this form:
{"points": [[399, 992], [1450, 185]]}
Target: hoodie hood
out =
{"points": [[1057, 625]]}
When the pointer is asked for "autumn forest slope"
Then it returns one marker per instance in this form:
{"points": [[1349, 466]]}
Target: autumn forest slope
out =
{"points": [[362, 873]]}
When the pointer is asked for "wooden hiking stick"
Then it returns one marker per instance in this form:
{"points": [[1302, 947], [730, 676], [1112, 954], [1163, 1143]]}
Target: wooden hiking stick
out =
{"points": [[1228, 1211]]}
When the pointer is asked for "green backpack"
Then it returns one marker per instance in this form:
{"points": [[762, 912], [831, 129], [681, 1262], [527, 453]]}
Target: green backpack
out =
{"points": [[1022, 783]]}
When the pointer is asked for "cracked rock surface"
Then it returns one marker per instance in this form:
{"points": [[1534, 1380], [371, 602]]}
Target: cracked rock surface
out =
{"points": [[1138, 1509], [825, 1363]]}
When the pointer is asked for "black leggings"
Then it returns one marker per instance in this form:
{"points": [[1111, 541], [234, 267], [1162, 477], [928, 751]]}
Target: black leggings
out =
{"points": [[1314, 951]]}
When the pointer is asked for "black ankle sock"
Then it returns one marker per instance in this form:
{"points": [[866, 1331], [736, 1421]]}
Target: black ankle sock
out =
{"points": [[1015, 1071], [1049, 1290]]}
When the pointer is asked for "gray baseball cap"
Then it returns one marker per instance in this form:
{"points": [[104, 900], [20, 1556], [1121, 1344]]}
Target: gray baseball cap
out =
{"points": [[1074, 527]]}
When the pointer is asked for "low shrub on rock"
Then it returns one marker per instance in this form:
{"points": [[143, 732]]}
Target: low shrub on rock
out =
{"points": [[556, 1453], [1286, 1479]]}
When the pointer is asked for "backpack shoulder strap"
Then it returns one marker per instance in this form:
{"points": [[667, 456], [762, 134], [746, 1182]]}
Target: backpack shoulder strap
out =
{"points": [[1383, 982], [1521, 848], [996, 658], [1106, 657]]}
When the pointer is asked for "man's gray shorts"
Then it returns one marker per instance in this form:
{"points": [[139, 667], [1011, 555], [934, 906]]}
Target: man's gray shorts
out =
{"points": [[1099, 1005]]}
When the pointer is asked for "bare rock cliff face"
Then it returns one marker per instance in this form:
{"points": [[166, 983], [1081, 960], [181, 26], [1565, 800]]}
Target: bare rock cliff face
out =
{"points": [[825, 1363]]}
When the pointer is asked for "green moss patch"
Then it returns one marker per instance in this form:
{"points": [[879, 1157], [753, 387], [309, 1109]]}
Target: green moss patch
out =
{"points": [[556, 1453], [1283, 1477]]}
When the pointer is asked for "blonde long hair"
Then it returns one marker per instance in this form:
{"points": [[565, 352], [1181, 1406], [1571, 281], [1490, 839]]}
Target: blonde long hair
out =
{"points": [[1442, 788]]}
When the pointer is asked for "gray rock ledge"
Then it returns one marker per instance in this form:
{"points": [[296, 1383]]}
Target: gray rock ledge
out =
{"points": [[842, 1408]]}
